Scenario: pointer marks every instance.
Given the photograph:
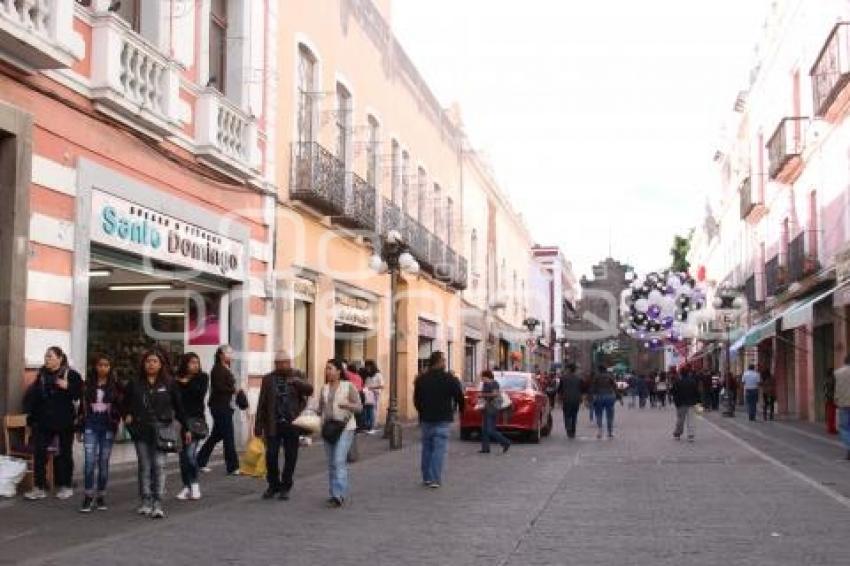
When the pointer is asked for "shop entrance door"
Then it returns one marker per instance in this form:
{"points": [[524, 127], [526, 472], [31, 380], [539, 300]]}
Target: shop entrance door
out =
{"points": [[470, 355], [823, 358], [789, 357]]}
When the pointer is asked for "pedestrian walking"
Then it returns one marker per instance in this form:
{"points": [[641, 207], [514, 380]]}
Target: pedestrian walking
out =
{"points": [[339, 403], [153, 409], [829, 398], [661, 386], [283, 397], [686, 395], [222, 390], [604, 392], [588, 382], [372, 387], [751, 380], [842, 401], [651, 384], [716, 387], [492, 397], [633, 391], [49, 405], [99, 416], [643, 391], [571, 390], [768, 393], [436, 395], [192, 385]]}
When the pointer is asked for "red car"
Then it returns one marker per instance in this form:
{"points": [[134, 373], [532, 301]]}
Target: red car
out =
{"points": [[530, 413]]}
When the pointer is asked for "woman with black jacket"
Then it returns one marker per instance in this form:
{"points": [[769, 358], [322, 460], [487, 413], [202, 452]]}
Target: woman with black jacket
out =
{"points": [[222, 389], [152, 404], [192, 384], [98, 420], [49, 404]]}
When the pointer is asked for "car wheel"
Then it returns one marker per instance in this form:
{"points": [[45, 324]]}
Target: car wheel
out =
{"points": [[466, 434], [547, 430], [535, 435]]}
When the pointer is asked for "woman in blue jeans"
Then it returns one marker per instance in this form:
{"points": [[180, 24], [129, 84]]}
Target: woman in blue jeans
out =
{"points": [[338, 401], [491, 395], [98, 420], [192, 384], [603, 388]]}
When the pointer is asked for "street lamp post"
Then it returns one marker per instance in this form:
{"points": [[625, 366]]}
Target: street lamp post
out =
{"points": [[728, 301], [393, 258]]}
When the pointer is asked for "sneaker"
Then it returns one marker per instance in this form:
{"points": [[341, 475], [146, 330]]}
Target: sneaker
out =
{"points": [[64, 493], [283, 495], [101, 503], [690, 439], [158, 512], [195, 492], [35, 494], [677, 436], [599, 435], [335, 502], [206, 469], [483, 451], [434, 485], [270, 493], [428, 483], [88, 504], [505, 448], [145, 509], [610, 435], [234, 473], [184, 494]]}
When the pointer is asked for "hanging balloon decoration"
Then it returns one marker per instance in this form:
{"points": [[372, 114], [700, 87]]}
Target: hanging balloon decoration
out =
{"points": [[657, 308]]}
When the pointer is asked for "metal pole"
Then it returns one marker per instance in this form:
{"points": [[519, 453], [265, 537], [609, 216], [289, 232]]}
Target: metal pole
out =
{"points": [[392, 430]]}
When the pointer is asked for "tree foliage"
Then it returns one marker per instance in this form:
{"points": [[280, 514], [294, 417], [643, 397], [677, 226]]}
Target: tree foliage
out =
{"points": [[679, 252]]}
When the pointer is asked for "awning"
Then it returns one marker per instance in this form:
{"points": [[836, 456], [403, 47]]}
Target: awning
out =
{"points": [[758, 333], [803, 312], [739, 343]]}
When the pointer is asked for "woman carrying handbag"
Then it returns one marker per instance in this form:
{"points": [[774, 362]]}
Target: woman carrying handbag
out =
{"points": [[339, 403], [192, 384]]}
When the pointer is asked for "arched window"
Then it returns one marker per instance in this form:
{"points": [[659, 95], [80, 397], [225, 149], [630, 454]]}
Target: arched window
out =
{"points": [[306, 94], [372, 153], [343, 124]]}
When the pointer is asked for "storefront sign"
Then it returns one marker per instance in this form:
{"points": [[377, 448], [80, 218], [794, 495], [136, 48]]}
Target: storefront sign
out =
{"points": [[427, 329], [304, 290], [355, 311], [121, 224]]}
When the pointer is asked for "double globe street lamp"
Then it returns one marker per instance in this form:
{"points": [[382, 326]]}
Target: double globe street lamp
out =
{"points": [[393, 257], [729, 301]]}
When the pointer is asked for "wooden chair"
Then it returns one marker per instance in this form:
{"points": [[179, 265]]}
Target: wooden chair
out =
{"points": [[18, 445]]}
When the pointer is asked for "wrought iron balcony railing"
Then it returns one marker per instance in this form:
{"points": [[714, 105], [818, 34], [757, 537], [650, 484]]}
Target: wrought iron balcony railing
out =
{"points": [[797, 258], [785, 145], [461, 277], [416, 238], [436, 256], [391, 218], [775, 278], [449, 266], [360, 210], [318, 178], [750, 293], [831, 71]]}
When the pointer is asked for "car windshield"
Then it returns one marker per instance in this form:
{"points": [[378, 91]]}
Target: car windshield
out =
{"points": [[512, 382]]}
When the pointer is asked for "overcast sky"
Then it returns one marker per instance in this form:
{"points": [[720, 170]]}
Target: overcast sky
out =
{"points": [[597, 115]]}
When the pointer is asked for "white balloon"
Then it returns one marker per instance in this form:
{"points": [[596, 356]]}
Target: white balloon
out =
{"points": [[655, 297], [674, 281], [642, 305]]}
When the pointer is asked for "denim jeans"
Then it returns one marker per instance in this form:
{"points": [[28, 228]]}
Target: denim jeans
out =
{"points": [[768, 403], [189, 463], [752, 397], [151, 470], [222, 431], [489, 431], [435, 443], [604, 403], [844, 425], [369, 417], [98, 448], [571, 418], [337, 454], [685, 415], [288, 437]]}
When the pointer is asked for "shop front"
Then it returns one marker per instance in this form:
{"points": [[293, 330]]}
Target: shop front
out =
{"points": [[427, 339], [153, 270], [304, 295], [354, 327]]}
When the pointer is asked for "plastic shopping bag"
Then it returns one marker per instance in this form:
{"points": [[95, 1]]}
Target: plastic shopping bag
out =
{"points": [[253, 461], [12, 471]]}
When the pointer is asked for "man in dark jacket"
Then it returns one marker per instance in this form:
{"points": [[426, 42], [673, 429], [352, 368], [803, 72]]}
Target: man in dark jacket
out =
{"points": [[436, 396], [685, 397], [283, 396], [571, 391]]}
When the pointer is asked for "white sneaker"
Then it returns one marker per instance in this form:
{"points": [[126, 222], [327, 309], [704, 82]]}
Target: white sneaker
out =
{"points": [[206, 469], [35, 494], [158, 512], [184, 494], [195, 492], [64, 493], [145, 509]]}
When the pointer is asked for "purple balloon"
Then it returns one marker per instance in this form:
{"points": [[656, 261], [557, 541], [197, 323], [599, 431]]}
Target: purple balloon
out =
{"points": [[668, 322], [654, 312]]}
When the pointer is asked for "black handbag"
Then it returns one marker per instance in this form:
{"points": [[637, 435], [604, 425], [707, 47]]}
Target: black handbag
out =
{"points": [[167, 439], [332, 429], [242, 400], [198, 427]]}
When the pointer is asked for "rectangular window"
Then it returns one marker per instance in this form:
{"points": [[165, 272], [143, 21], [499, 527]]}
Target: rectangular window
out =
{"points": [[422, 196], [405, 182], [301, 359], [128, 10], [438, 218], [306, 94], [218, 44], [785, 242], [395, 181], [343, 113], [812, 236], [450, 220], [372, 153]]}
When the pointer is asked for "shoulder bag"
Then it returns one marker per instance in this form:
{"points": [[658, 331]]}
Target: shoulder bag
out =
{"points": [[242, 400], [332, 428], [198, 427], [167, 439]]}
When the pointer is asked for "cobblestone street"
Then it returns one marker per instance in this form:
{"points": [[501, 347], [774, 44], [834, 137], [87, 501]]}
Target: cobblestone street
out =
{"points": [[641, 498]]}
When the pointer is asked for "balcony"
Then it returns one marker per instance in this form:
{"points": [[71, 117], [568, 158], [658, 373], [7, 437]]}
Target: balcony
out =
{"points": [[750, 293], [785, 150], [318, 178], [359, 211], [801, 264], [226, 134], [439, 259], [37, 34], [775, 277], [391, 218], [131, 79], [460, 280], [831, 71], [417, 241]]}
